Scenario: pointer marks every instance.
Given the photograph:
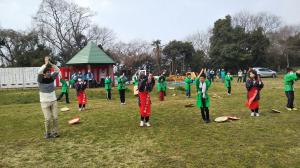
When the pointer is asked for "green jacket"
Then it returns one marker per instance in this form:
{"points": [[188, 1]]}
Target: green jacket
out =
{"points": [[121, 83], [107, 83], [188, 81], [289, 80], [228, 79], [197, 82], [135, 81], [199, 93], [72, 82], [162, 84], [223, 74], [64, 87]]}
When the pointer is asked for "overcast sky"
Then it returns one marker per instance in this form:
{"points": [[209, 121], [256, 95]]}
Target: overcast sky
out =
{"points": [[154, 19]]}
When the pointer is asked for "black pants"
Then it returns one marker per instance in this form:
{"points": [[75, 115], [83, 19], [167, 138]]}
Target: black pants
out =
{"points": [[146, 119], [188, 93], [239, 79], [108, 94], [81, 105], [204, 111], [62, 94], [290, 96], [90, 83], [229, 90], [255, 110], [122, 95]]}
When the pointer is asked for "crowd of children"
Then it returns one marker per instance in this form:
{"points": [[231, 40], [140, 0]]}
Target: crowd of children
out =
{"points": [[144, 84]]}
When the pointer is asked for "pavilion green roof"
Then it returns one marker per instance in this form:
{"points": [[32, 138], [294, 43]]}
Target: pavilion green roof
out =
{"points": [[91, 54]]}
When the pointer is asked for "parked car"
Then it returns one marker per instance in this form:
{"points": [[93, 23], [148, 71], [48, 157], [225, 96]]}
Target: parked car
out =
{"points": [[265, 72]]}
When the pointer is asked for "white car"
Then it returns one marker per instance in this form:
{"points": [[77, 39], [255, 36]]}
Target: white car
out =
{"points": [[265, 72]]}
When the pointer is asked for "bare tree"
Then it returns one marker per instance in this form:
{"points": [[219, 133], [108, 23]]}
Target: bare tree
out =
{"points": [[269, 22], [200, 41], [102, 36], [279, 49], [132, 56], [63, 26], [10, 39]]}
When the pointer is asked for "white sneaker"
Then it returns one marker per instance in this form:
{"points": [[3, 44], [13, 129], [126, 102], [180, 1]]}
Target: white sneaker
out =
{"points": [[124, 103], [257, 114], [83, 109], [252, 114], [79, 109], [141, 123], [148, 124]]}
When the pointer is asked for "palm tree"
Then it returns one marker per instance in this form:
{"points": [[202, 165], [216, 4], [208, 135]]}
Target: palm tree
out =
{"points": [[157, 52]]}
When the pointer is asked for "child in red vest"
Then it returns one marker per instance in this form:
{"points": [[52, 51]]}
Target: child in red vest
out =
{"points": [[253, 85], [81, 96], [145, 86]]}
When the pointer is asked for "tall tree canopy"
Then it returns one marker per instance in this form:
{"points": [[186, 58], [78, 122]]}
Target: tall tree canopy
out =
{"points": [[233, 47], [21, 49], [179, 54]]}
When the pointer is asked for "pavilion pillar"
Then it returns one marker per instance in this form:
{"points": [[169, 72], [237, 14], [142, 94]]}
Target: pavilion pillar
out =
{"points": [[98, 74]]}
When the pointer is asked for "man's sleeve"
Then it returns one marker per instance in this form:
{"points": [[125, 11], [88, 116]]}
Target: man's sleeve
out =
{"points": [[41, 69], [40, 78], [56, 71]]}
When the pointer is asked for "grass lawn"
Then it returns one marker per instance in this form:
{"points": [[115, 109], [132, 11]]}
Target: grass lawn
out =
{"points": [[109, 135]]}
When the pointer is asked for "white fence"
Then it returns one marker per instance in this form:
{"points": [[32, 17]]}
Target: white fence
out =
{"points": [[18, 77]]}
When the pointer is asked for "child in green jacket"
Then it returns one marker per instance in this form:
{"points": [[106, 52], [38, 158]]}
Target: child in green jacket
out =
{"points": [[203, 100], [122, 87], [64, 90], [107, 84], [162, 86], [228, 79], [188, 81], [289, 80]]}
